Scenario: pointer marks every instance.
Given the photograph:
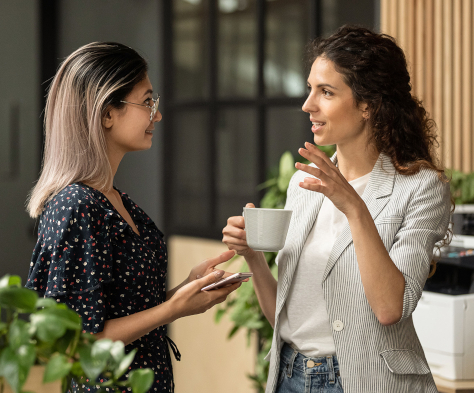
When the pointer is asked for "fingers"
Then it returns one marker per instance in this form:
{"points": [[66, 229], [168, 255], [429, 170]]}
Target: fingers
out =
{"points": [[250, 205], [317, 172], [209, 279], [316, 156], [224, 292], [224, 257]]}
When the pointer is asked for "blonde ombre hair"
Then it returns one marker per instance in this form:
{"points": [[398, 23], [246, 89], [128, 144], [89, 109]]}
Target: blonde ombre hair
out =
{"points": [[93, 79]]}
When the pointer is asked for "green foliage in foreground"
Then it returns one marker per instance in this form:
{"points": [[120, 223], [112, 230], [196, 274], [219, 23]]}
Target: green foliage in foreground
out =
{"points": [[244, 309], [53, 337]]}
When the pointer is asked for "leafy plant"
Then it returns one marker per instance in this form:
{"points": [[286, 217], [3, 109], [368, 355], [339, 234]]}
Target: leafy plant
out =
{"points": [[462, 187], [53, 337], [243, 309]]}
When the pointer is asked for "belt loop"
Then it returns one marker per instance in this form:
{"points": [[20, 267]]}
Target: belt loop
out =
{"points": [[332, 375], [289, 371]]}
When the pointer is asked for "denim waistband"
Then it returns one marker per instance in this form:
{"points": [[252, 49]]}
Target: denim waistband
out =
{"points": [[308, 365]]}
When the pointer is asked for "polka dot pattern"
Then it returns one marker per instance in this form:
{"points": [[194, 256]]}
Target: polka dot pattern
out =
{"points": [[88, 257]]}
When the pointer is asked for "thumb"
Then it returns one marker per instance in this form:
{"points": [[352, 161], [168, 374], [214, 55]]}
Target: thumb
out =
{"points": [[211, 278], [250, 205]]}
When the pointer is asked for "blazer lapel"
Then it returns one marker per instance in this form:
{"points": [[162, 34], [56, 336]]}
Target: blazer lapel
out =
{"points": [[376, 195]]}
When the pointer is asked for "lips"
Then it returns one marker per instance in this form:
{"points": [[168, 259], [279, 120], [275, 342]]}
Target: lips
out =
{"points": [[317, 126]]}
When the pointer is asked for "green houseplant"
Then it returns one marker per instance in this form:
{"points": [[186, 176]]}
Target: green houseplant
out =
{"points": [[244, 309], [52, 336], [462, 186]]}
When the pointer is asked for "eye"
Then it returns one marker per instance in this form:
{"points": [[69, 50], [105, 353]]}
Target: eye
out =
{"points": [[308, 87], [327, 93], [147, 101]]}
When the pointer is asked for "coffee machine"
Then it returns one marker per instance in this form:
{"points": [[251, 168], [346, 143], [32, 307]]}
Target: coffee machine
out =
{"points": [[444, 317]]}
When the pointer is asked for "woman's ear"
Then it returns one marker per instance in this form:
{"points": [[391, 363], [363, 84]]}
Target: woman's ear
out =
{"points": [[108, 119], [364, 107]]}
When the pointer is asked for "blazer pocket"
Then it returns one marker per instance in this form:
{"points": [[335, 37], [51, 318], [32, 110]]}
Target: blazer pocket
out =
{"points": [[404, 361], [389, 220]]}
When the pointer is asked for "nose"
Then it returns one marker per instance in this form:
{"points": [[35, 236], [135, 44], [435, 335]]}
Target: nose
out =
{"points": [[310, 104], [158, 117]]}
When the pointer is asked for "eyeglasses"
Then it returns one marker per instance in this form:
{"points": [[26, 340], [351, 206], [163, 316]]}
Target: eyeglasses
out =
{"points": [[153, 108]]}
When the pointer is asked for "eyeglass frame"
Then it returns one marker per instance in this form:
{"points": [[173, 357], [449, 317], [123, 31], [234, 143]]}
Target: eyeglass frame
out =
{"points": [[153, 108]]}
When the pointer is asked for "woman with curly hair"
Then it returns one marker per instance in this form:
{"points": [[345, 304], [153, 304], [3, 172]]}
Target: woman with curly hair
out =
{"points": [[364, 226]]}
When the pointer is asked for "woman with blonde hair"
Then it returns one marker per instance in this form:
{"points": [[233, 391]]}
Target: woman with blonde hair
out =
{"points": [[97, 251]]}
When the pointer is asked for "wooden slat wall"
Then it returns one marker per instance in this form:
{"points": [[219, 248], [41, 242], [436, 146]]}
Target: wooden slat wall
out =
{"points": [[438, 39]]}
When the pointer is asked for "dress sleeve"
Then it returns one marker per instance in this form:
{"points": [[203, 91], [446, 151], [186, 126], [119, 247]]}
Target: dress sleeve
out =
{"points": [[425, 223], [72, 260]]}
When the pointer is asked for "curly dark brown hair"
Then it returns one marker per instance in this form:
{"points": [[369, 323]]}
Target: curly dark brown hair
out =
{"points": [[375, 68]]}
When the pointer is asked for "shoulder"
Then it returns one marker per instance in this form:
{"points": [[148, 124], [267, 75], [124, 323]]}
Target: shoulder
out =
{"points": [[75, 199], [425, 181]]}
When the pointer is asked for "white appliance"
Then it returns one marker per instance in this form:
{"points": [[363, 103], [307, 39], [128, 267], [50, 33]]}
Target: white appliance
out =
{"points": [[444, 322], [445, 327]]}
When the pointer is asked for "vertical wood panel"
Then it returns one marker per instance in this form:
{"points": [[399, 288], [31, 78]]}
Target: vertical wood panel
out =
{"points": [[448, 81], [467, 65], [429, 64], [457, 92], [384, 18], [438, 39], [419, 56], [438, 75]]}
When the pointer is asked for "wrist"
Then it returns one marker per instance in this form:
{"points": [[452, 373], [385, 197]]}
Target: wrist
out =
{"points": [[358, 212], [172, 309]]}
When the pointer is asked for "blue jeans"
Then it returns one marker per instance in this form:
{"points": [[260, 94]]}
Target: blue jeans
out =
{"points": [[297, 376]]}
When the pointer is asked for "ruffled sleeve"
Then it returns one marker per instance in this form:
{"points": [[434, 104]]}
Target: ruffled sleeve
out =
{"points": [[72, 260]]}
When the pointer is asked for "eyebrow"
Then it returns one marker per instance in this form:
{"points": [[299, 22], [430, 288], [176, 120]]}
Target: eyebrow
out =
{"points": [[149, 91], [325, 85]]}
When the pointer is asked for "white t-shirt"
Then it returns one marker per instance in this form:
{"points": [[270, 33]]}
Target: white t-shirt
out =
{"points": [[304, 322]]}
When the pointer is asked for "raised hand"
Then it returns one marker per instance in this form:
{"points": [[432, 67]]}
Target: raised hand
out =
{"points": [[329, 180]]}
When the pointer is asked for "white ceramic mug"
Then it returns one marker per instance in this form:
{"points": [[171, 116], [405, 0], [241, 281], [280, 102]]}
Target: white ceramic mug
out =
{"points": [[266, 229]]}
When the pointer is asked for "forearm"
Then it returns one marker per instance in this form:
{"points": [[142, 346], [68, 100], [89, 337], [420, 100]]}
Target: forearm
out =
{"points": [[171, 292], [264, 284], [132, 327], [384, 284]]}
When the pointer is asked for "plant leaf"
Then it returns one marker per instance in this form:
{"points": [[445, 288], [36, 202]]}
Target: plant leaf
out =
{"points": [[10, 369], [117, 351], [57, 368], [51, 323], [141, 380], [18, 334], [92, 367], [101, 349], [45, 302], [125, 362], [21, 298]]}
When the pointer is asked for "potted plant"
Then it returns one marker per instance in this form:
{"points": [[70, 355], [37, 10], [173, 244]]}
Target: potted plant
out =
{"points": [[50, 336], [244, 309]]}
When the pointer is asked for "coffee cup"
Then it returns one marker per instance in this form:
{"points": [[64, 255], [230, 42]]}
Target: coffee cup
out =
{"points": [[266, 229]]}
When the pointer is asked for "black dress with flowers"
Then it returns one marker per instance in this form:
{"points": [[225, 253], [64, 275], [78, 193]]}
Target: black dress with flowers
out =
{"points": [[88, 257]]}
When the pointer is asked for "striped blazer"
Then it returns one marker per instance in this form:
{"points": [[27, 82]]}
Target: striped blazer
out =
{"points": [[411, 214]]}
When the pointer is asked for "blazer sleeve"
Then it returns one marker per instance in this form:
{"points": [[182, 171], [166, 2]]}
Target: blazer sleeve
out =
{"points": [[425, 223]]}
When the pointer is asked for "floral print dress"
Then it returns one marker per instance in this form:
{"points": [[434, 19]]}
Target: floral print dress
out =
{"points": [[88, 257]]}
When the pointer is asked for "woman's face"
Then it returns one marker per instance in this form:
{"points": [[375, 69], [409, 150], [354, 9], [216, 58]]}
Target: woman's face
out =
{"points": [[130, 128], [335, 116]]}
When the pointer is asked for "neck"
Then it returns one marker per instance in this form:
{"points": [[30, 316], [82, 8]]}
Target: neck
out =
{"points": [[356, 162], [115, 157]]}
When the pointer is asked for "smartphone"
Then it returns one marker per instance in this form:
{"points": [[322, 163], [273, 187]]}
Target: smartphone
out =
{"points": [[227, 281]]}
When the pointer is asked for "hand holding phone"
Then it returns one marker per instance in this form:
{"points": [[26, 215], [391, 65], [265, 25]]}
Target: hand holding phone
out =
{"points": [[228, 281]]}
